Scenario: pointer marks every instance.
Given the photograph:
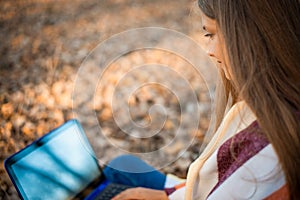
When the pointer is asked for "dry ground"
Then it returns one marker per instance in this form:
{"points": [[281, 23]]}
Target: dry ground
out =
{"points": [[43, 44]]}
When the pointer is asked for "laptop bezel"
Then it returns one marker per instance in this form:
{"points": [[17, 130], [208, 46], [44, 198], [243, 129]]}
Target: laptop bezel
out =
{"points": [[8, 163]]}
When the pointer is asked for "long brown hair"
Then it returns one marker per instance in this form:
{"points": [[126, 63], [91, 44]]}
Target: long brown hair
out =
{"points": [[262, 39]]}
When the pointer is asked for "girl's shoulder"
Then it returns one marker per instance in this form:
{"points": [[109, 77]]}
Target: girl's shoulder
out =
{"points": [[238, 149], [247, 166]]}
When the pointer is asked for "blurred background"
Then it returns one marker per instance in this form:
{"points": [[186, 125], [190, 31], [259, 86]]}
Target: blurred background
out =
{"points": [[42, 46]]}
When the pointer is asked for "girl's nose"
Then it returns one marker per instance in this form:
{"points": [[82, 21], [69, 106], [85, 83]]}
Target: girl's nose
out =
{"points": [[210, 53]]}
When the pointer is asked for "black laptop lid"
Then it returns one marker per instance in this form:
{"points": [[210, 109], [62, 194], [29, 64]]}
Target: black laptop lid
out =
{"points": [[57, 166]]}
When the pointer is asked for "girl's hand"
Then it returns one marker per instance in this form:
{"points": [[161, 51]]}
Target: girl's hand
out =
{"points": [[141, 193]]}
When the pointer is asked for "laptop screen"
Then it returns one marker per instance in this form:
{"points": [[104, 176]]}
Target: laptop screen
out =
{"points": [[58, 166]]}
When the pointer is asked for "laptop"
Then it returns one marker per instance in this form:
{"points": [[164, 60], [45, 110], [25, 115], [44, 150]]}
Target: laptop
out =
{"points": [[60, 165]]}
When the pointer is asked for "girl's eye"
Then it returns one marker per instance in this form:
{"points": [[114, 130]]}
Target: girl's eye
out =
{"points": [[209, 35]]}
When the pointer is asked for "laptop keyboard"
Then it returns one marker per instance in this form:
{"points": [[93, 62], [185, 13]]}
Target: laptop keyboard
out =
{"points": [[110, 191]]}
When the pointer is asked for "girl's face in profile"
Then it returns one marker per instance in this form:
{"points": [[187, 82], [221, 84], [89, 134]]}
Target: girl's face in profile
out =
{"points": [[215, 45]]}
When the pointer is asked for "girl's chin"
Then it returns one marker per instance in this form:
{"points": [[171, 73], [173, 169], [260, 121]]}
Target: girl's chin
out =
{"points": [[224, 70], [226, 75]]}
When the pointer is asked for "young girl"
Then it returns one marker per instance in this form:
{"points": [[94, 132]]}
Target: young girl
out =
{"points": [[254, 153]]}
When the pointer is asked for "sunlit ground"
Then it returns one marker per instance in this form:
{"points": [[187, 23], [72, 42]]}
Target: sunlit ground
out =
{"points": [[44, 43]]}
